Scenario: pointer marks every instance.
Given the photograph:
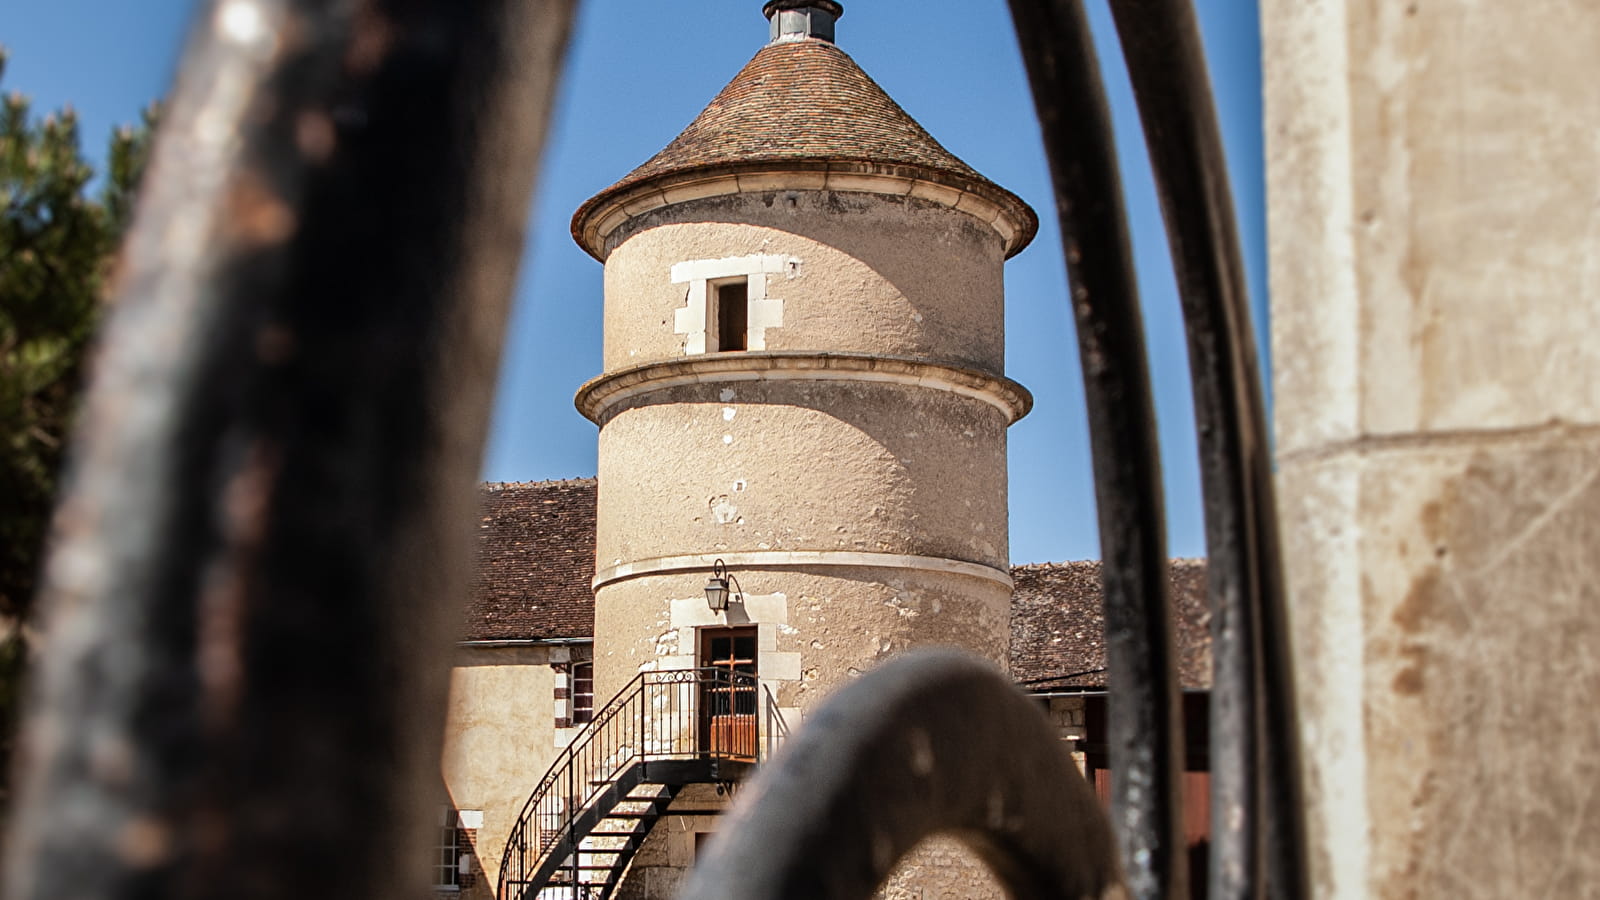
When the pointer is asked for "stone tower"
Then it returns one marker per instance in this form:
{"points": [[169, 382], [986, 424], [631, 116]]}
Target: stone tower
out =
{"points": [[804, 378]]}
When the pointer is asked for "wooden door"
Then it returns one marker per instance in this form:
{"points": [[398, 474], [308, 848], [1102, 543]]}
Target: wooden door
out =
{"points": [[728, 718]]}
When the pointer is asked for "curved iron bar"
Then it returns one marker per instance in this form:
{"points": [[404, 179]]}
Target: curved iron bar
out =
{"points": [[1257, 831], [932, 742], [244, 688], [657, 716], [1145, 727]]}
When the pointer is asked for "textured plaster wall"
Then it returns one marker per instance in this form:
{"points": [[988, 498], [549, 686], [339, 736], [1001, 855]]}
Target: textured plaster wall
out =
{"points": [[804, 466], [1434, 220], [826, 467], [941, 868], [873, 274], [840, 622], [499, 738]]}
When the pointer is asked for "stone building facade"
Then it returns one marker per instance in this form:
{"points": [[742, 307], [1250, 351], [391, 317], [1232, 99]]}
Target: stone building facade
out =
{"points": [[530, 618], [1431, 190], [803, 381], [804, 377]]}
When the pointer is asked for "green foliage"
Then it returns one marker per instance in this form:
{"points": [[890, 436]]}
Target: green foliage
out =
{"points": [[57, 240], [56, 247]]}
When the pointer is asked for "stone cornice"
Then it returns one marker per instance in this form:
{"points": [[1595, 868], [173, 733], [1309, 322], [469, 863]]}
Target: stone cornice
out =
{"points": [[781, 559], [996, 207], [599, 398]]}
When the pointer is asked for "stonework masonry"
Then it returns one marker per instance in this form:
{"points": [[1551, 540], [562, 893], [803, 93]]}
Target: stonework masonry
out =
{"points": [[1433, 177], [511, 686], [845, 455], [852, 471], [893, 276]]}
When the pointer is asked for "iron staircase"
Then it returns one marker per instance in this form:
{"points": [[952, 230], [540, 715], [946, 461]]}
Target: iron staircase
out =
{"points": [[601, 797]]}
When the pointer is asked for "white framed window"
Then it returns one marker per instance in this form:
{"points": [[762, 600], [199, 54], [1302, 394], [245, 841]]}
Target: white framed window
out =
{"points": [[447, 853], [726, 306], [453, 848], [582, 693]]}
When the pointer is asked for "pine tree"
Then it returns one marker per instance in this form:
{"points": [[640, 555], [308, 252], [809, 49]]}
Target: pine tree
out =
{"points": [[58, 235]]}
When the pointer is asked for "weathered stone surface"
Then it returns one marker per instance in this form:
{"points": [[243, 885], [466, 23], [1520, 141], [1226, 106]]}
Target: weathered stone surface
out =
{"points": [[941, 868], [804, 466], [1318, 503], [871, 274], [1436, 160], [1479, 611], [842, 621], [1432, 180]]}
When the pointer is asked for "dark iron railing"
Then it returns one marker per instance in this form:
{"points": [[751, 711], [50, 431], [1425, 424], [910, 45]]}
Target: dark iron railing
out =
{"points": [[285, 428], [777, 731], [708, 714]]}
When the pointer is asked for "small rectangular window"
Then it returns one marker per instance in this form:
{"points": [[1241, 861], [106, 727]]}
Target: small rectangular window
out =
{"points": [[582, 693], [732, 304], [447, 855]]}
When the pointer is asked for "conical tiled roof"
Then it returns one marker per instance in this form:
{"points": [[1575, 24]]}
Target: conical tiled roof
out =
{"points": [[805, 105], [802, 100]]}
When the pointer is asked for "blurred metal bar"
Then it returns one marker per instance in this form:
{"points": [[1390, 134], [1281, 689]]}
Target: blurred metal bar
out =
{"points": [[242, 691], [1145, 726], [931, 742], [1257, 829]]}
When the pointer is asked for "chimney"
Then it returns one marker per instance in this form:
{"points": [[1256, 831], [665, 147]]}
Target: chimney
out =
{"points": [[795, 20]]}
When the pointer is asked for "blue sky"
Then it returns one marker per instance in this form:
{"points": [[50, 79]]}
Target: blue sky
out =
{"points": [[638, 72]]}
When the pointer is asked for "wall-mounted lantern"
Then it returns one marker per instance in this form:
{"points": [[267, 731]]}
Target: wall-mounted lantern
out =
{"points": [[717, 587]]}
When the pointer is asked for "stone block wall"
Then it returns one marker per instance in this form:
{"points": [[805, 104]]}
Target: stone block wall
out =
{"points": [[1434, 219]]}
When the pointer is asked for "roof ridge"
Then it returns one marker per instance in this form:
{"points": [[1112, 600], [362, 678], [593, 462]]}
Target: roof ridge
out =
{"points": [[548, 482]]}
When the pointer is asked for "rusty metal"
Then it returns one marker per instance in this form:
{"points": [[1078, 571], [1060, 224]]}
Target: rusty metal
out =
{"points": [[931, 742], [243, 692]]}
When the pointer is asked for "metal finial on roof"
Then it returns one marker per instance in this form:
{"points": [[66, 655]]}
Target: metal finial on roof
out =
{"points": [[794, 20]]}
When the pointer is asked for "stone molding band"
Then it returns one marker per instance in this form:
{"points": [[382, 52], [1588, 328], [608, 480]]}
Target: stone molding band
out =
{"points": [[600, 398], [777, 559], [996, 207]]}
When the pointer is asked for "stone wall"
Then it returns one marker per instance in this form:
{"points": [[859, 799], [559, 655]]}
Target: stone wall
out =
{"points": [[667, 855], [1434, 219]]}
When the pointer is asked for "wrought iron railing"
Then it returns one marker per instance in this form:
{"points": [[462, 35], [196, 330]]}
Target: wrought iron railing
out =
{"points": [[777, 731], [709, 714]]}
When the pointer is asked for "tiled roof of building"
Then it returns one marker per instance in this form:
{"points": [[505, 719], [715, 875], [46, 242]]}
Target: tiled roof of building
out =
{"points": [[535, 562], [804, 104], [799, 100], [1058, 626]]}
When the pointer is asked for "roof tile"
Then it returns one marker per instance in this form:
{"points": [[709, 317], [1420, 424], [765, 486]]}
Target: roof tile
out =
{"points": [[805, 104], [1058, 624], [535, 562]]}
